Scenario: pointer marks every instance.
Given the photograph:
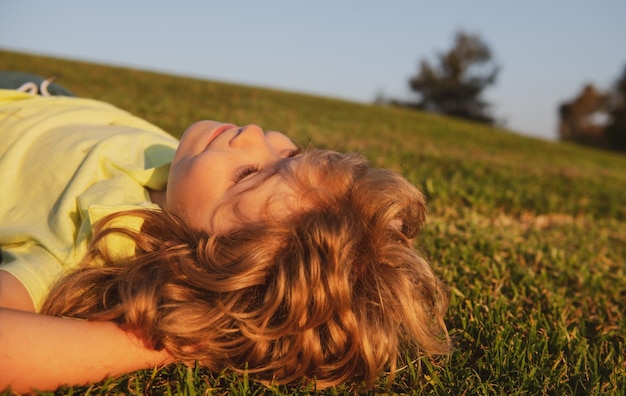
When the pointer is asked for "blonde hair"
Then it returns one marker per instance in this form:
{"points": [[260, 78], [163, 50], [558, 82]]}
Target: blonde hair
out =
{"points": [[335, 292]]}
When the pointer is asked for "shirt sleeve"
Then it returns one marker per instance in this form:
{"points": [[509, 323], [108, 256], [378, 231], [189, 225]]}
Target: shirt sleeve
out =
{"points": [[35, 267]]}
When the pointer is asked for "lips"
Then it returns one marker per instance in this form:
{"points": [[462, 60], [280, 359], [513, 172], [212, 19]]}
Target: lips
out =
{"points": [[218, 131]]}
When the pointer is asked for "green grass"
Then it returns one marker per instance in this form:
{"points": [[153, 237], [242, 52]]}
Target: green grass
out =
{"points": [[529, 235]]}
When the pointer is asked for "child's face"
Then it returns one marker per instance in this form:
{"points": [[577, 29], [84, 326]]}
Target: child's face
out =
{"points": [[218, 164]]}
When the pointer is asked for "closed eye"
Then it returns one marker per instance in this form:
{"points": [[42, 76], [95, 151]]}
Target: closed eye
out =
{"points": [[245, 172], [252, 169], [295, 152]]}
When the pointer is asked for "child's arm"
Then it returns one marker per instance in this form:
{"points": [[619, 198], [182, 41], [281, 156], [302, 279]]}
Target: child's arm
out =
{"points": [[13, 294], [44, 352]]}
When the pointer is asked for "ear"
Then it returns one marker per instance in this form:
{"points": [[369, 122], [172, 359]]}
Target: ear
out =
{"points": [[396, 224]]}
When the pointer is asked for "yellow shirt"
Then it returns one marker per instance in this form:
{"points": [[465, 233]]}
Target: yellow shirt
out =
{"points": [[64, 164]]}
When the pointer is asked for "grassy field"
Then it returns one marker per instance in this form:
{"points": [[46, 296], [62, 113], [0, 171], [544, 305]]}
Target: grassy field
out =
{"points": [[529, 235]]}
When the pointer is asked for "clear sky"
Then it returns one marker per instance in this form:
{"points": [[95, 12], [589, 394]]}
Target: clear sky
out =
{"points": [[347, 49]]}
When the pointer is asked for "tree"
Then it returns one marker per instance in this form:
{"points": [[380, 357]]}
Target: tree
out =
{"points": [[616, 129], [582, 120], [596, 118], [455, 85]]}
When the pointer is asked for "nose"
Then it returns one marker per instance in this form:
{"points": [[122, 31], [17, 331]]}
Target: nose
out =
{"points": [[248, 136]]}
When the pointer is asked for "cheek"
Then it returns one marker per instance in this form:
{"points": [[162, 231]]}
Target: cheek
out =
{"points": [[181, 189], [174, 198], [194, 194]]}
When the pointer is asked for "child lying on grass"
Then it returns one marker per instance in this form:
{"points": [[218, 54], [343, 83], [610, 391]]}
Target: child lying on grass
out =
{"points": [[231, 248]]}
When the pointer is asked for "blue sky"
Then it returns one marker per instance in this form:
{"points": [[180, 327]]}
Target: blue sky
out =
{"points": [[347, 49]]}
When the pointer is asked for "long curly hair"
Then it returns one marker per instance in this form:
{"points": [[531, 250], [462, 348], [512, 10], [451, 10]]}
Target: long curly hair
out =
{"points": [[334, 292]]}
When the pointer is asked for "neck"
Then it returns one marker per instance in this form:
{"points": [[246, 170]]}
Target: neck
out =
{"points": [[158, 197]]}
